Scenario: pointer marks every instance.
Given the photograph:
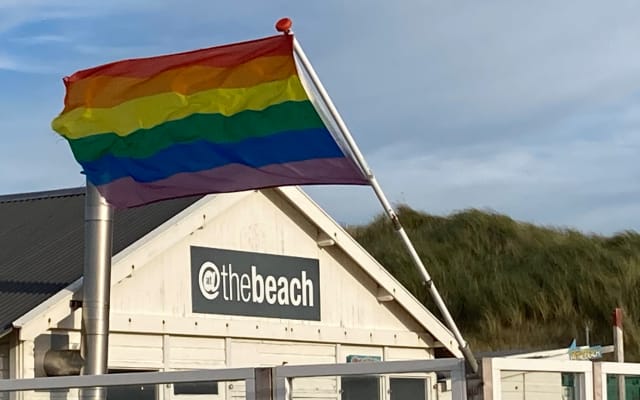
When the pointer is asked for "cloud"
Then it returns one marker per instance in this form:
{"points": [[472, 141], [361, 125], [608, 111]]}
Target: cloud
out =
{"points": [[17, 64], [6, 62], [476, 72], [550, 183], [40, 39], [586, 182], [16, 13], [531, 109]]}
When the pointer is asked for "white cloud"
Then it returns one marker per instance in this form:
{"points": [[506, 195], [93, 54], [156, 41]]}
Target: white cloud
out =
{"points": [[6, 62], [591, 184], [14, 13], [40, 39], [478, 67], [528, 108], [17, 64]]}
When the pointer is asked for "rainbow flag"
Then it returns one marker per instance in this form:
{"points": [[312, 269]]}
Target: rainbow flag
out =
{"points": [[221, 119]]}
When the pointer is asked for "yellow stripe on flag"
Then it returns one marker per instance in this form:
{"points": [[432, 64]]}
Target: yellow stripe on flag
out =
{"points": [[147, 112]]}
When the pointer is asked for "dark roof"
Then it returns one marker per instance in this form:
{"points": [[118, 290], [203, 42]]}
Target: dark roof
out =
{"points": [[41, 243]]}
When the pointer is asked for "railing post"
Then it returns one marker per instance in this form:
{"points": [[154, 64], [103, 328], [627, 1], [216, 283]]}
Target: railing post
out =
{"points": [[618, 345], [598, 382], [585, 380], [458, 382], [487, 379], [263, 389], [281, 387], [249, 388]]}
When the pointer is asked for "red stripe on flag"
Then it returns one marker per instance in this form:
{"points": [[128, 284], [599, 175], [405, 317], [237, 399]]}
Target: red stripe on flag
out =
{"points": [[227, 56]]}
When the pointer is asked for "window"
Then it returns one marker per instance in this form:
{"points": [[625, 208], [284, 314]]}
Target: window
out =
{"points": [[360, 387], [195, 388], [408, 388], [131, 392]]}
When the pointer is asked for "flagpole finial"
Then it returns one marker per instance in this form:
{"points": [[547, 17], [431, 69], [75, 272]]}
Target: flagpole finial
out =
{"points": [[284, 25]]}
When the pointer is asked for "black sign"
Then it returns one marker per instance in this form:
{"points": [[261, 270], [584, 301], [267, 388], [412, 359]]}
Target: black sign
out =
{"points": [[262, 285]]}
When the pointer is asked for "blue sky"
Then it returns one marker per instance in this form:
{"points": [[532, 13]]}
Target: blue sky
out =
{"points": [[531, 109]]}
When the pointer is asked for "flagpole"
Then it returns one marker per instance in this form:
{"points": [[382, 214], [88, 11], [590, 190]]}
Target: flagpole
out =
{"points": [[96, 283], [464, 347]]}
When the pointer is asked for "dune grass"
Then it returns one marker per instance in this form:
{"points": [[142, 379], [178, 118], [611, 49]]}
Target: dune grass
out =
{"points": [[512, 285]]}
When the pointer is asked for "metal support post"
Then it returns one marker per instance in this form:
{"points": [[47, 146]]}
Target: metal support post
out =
{"points": [[98, 237], [459, 383], [618, 346], [462, 344]]}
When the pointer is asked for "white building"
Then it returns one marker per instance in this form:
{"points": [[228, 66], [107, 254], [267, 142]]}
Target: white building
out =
{"points": [[257, 278]]}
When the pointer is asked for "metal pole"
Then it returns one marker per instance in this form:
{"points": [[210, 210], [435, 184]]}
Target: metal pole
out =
{"points": [[586, 333], [618, 346], [464, 347], [98, 237]]}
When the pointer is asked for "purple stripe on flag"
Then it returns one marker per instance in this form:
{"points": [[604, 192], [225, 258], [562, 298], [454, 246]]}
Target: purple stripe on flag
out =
{"points": [[125, 192]]}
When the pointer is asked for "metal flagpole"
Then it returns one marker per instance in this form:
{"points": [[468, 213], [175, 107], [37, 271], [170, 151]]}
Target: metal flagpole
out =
{"points": [[464, 347], [98, 238]]}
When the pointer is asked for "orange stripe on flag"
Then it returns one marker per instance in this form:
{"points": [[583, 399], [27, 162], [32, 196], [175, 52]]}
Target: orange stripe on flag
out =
{"points": [[107, 91]]}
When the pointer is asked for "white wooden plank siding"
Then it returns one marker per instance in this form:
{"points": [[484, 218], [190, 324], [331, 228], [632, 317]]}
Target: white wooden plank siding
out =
{"points": [[132, 351], [189, 352], [271, 353]]}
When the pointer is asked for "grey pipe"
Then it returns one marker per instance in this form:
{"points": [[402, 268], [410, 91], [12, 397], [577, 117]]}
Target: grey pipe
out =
{"points": [[62, 362], [98, 238]]}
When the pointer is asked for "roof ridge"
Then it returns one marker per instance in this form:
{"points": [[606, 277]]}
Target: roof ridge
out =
{"points": [[47, 194]]}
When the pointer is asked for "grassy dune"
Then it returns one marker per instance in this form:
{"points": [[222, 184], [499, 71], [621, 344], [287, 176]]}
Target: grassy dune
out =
{"points": [[511, 285]]}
